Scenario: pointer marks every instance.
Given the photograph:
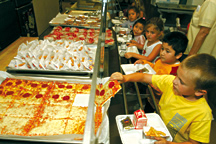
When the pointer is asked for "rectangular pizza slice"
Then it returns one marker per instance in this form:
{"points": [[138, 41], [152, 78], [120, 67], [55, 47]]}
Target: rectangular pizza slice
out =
{"points": [[78, 113], [31, 97], [61, 98], [64, 87], [75, 127], [12, 82], [83, 88], [56, 111], [22, 110], [48, 127], [13, 125]]}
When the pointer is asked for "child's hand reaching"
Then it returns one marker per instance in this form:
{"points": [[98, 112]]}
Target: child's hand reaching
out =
{"points": [[128, 55], [139, 62], [160, 141], [129, 44], [133, 41], [117, 76]]}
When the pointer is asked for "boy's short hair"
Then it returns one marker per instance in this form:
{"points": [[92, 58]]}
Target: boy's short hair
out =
{"points": [[205, 65], [177, 40]]}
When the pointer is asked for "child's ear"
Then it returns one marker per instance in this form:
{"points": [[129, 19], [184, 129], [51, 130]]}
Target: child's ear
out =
{"points": [[199, 93], [178, 56]]}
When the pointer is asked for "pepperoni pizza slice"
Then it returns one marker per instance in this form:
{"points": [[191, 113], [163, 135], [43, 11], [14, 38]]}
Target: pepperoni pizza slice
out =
{"points": [[14, 83], [38, 85], [61, 98], [9, 95], [106, 91], [64, 87], [83, 88], [31, 97]]}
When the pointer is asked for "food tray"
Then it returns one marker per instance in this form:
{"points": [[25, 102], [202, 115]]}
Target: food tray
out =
{"points": [[63, 138], [137, 136], [131, 68], [58, 71]]}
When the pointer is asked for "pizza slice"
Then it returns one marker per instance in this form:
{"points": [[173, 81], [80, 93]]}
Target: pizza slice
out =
{"points": [[61, 98], [56, 111], [48, 127], [64, 86], [9, 94], [75, 127], [13, 125], [22, 110], [113, 85], [78, 113], [83, 88], [106, 91], [31, 97], [12, 82], [38, 85], [3, 108]]}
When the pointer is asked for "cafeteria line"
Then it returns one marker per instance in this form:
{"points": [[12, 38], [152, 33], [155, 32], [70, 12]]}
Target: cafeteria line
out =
{"points": [[60, 14]]}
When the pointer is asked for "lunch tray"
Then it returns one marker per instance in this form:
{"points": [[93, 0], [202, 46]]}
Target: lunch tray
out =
{"points": [[137, 136]]}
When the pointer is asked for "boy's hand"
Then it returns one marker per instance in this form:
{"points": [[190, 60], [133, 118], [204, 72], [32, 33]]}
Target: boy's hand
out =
{"points": [[139, 62], [160, 141], [129, 44], [117, 76], [133, 41], [128, 55]]}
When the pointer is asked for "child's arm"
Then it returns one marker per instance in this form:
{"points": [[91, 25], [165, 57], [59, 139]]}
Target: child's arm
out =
{"points": [[135, 77], [164, 141], [134, 43]]}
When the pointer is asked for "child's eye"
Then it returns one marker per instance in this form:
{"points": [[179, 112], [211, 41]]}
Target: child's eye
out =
{"points": [[168, 51]]}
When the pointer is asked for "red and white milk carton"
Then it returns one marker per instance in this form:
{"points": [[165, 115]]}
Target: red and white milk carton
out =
{"points": [[139, 119]]}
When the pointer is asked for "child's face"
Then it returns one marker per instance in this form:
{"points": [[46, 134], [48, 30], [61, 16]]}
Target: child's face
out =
{"points": [[132, 15], [183, 84], [138, 29], [152, 34], [167, 54]]}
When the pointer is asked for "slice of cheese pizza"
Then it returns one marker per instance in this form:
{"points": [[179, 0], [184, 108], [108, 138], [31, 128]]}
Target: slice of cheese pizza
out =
{"points": [[13, 125], [56, 111], [75, 126], [22, 110], [48, 127], [78, 113]]}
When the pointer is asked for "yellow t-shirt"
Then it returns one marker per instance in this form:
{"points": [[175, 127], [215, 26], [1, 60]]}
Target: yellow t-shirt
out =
{"points": [[182, 117]]}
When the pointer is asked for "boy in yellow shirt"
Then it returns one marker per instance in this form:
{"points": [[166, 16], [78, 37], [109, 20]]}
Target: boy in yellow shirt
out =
{"points": [[174, 45], [182, 106]]}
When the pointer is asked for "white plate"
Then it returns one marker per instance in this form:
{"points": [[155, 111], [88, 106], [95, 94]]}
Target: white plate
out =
{"points": [[131, 68], [137, 136]]}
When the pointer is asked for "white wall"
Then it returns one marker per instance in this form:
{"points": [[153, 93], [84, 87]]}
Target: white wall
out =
{"points": [[45, 11]]}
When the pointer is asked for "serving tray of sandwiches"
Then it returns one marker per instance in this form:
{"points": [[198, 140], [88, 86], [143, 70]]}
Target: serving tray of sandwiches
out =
{"points": [[56, 57], [48, 109]]}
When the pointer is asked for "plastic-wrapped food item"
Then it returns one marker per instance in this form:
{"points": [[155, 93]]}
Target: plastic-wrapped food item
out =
{"points": [[127, 124]]}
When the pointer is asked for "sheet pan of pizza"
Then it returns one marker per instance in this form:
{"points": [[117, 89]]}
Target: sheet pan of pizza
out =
{"points": [[45, 109]]}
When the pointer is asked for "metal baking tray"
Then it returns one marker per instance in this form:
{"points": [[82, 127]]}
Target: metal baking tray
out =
{"points": [[59, 21], [65, 138], [14, 71]]}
